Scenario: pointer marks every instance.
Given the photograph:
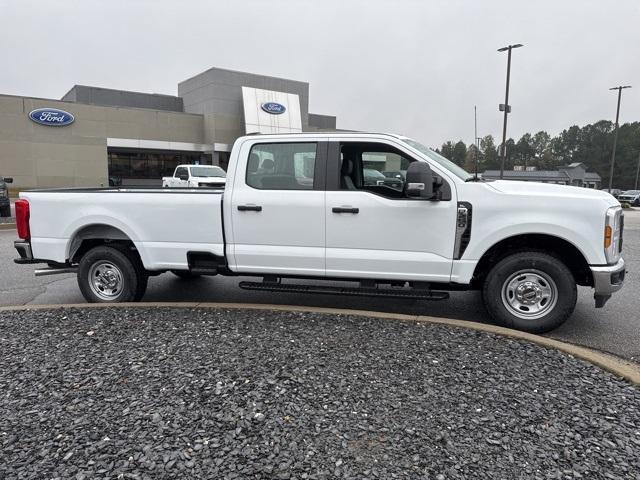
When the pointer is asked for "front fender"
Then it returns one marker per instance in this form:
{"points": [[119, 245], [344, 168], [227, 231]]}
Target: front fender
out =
{"points": [[483, 240]]}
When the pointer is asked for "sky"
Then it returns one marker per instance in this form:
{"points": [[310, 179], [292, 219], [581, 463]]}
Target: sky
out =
{"points": [[411, 67]]}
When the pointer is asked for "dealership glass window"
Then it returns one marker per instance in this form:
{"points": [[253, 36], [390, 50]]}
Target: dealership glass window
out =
{"points": [[144, 164], [282, 166]]}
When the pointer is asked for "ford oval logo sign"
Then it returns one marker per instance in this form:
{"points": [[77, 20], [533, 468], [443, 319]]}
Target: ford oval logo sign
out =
{"points": [[51, 117], [273, 108]]}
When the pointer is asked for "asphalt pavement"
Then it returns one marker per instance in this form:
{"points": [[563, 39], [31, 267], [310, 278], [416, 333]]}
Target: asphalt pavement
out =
{"points": [[614, 329]]}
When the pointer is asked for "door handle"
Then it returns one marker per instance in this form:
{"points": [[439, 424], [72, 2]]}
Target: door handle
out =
{"points": [[345, 210], [250, 208]]}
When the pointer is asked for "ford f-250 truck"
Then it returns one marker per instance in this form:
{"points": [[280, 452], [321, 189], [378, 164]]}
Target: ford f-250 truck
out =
{"points": [[196, 176], [297, 206]]}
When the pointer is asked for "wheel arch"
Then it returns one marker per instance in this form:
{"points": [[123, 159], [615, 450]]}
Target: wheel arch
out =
{"points": [[564, 250], [95, 234]]}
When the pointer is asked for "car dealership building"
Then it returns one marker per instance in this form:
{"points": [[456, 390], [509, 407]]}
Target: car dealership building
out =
{"points": [[93, 135]]}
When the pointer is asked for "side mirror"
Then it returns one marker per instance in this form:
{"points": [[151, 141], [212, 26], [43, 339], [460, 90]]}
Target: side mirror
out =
{"points": [[8, 179], [183, 177], [419, 183]]}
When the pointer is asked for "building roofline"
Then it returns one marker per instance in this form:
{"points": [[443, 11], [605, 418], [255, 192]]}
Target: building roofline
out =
{"points": [[23, 97], [243, 73], [122, 91]]}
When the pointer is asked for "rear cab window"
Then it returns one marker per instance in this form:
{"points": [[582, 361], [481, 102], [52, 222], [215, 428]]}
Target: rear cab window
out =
{"points": [[282, 166]]}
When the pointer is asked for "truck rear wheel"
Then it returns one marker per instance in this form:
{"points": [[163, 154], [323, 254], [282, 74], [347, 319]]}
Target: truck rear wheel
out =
{"points": [[108, 275], [5, 211], [530, 291]]}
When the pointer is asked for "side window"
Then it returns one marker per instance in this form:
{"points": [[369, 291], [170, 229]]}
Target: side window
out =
{"points": [[379, 168], [281, 166], [181, 171]]}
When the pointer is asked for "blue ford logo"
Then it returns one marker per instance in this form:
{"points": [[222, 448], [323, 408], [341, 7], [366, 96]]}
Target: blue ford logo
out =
{"points": [[51, 117], [273, 108]]}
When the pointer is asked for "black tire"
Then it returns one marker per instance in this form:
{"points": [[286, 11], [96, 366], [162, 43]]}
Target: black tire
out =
{"points": [[636, 203], [143, 276], [113, 262], [526, 277], [5, 211], [185, 274]]}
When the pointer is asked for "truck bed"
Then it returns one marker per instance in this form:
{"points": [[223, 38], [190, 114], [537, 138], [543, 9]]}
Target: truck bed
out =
{"points": [[164, 224]]}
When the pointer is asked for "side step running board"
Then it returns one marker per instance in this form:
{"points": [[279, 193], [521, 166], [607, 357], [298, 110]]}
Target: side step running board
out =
{"points": [[352, 291]]}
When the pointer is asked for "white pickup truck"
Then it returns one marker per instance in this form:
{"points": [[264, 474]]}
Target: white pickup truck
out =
{"points": [[190, 176], [297, 206]]}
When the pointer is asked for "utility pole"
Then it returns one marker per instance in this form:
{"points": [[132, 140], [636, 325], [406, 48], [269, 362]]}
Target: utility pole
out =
{"points": [[637, 171], [615, 136], [506, 107], [475, 133]]}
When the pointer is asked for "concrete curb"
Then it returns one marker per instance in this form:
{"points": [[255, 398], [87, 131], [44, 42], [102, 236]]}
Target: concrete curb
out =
{"points": [[619, 367], [7, 226]]}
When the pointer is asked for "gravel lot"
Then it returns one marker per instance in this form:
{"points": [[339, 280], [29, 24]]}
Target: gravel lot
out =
{"points": [[184, 393]]}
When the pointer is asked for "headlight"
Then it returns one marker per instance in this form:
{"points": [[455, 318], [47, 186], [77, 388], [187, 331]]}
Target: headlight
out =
{"points": [[613, 234]]}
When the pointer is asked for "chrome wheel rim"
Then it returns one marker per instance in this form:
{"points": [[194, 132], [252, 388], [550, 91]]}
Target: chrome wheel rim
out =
{"points": [[529, 294], [105, 280]]}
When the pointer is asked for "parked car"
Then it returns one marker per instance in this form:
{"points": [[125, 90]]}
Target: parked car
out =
{"points": [[630, 196], [5, 203], [375, 177], [525, 246], [189, 176], [399, 174], [614, 191]]}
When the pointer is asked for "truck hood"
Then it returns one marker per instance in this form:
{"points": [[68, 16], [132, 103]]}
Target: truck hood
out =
{"points": [[512, 187]]}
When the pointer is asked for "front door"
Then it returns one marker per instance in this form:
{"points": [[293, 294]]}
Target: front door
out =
{"points": [[373, 230], [278, 208]]}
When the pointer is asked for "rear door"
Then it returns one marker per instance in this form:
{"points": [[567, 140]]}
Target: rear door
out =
{"points": [[278, 208], [373, 230]]}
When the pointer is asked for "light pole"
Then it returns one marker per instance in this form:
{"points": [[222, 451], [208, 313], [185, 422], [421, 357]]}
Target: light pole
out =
{"points": [[506, 107], [637, 171], [475, 133], [615, 136]]}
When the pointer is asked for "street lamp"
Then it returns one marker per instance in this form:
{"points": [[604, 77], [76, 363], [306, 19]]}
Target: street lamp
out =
{"points": [[506, 107], [615, 136]]}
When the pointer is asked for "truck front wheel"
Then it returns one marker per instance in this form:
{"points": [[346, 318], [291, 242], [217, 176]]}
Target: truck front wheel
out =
{"points": [[530, 291], [107, 275]]}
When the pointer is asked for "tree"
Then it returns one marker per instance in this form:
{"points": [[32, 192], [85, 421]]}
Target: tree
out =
{"points": [[470, 160], [525, 151], [459, 153], [447, 150], [489, 154]]}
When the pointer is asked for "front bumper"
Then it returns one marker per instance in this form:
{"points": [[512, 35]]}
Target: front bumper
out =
{"points": [[606, 281]]}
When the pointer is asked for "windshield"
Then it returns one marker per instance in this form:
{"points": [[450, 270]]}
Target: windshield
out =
{"points": [[207, 172], [439, 159], [631, 192]]}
